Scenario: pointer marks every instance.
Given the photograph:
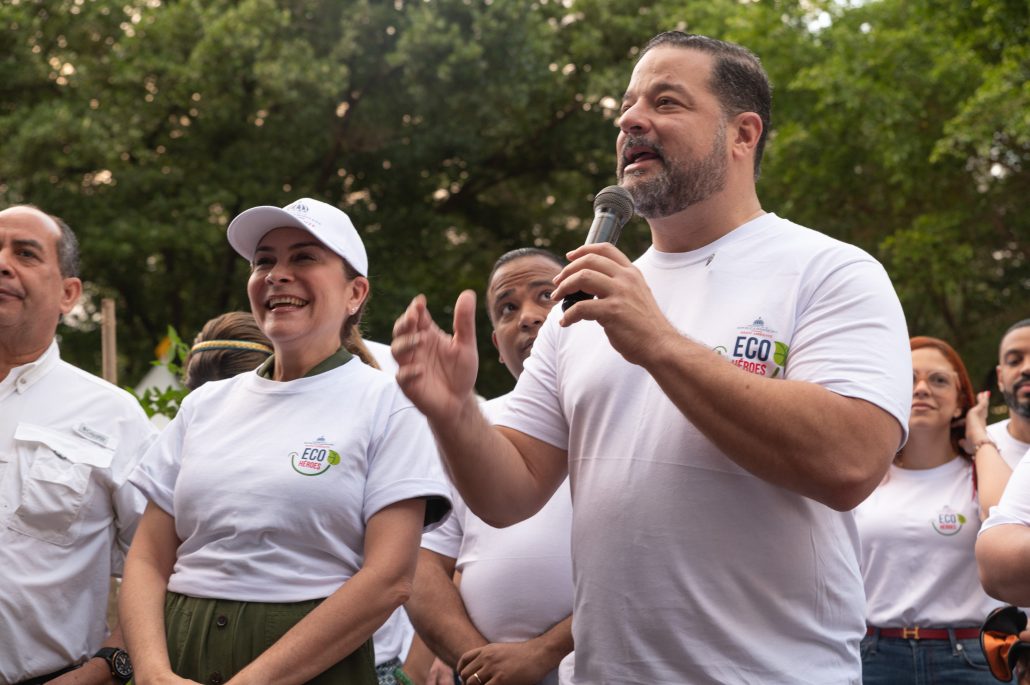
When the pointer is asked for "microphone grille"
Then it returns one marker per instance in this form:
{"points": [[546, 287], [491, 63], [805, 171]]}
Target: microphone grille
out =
{"points": [[617, 200]]}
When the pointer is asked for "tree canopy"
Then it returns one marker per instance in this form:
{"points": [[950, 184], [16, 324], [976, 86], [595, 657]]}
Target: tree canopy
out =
{"points": [[454, 130]]}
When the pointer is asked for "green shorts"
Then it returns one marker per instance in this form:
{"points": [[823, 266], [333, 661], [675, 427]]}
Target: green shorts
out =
{"points": [[210, 640]]}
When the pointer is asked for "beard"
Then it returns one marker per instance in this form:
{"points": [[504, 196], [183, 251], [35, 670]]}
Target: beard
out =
{"points": [[1017, 405], [678, 184]]}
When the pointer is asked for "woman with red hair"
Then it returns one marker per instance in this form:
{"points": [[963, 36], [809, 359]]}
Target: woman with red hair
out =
{"points": [[924, 603]]}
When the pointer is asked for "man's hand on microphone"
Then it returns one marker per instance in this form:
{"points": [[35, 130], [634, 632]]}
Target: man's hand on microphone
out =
{"points": [[437, 371], [624, 305]]}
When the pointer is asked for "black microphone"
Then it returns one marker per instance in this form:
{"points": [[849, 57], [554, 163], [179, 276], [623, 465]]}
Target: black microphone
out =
{"points": [[613, 207]]}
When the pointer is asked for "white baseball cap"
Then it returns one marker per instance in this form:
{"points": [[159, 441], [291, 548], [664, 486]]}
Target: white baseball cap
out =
{"points": [[329, 224]]}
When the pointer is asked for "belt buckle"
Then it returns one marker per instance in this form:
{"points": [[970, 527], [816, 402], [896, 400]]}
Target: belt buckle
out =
{"points": [[910, 633]]}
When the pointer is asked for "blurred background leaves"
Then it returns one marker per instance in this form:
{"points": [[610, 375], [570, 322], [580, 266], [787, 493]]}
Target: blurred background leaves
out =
{"points": [[454, 130]]}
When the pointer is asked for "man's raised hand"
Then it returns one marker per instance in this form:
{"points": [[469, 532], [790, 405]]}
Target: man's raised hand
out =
{"points": [[437, 371]]}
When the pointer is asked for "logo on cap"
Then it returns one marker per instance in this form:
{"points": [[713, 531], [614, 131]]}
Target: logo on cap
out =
{"points": [[299, 206]]}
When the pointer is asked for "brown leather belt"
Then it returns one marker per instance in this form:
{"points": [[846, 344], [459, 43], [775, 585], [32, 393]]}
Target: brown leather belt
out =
{"points": [[918, 633]]}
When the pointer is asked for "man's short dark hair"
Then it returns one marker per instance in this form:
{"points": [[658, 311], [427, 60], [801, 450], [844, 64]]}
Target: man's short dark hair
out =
{"points": [[67, 249], [511, 256], [1014, 327], [519, 253], [1019, 324], [738, 79]]}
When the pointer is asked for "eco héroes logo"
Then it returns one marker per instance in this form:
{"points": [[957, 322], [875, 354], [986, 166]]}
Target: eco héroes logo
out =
{"points": [[948, 522], [316, 458], [756, 350]]}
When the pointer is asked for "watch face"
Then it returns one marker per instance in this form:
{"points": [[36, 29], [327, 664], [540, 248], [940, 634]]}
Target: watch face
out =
{"points": [[121, 664]]}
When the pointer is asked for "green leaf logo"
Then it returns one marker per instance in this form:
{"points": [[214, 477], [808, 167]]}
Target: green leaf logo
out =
{"points": [[334, 458], [961, 518], [780, 355]]}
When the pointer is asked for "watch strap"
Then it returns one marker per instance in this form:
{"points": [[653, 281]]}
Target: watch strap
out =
{"points": [[108, 654]]}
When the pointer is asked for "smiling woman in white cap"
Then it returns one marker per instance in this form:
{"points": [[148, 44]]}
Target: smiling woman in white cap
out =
{"points": [[286, 504], [259, 232]]}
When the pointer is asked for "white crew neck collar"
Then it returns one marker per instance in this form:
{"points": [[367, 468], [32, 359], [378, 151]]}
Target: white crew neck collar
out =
{"points": [[674, 260]]}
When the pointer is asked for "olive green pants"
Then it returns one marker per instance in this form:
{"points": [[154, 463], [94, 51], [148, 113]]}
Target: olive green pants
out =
{"points": [[210, 640]]}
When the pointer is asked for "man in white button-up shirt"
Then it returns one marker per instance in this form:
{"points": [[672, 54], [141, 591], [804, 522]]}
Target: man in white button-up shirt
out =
{"points": [[68, 441]]}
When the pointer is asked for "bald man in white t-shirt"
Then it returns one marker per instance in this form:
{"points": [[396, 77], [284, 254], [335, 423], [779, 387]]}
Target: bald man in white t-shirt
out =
{"points": [[509, 622]]}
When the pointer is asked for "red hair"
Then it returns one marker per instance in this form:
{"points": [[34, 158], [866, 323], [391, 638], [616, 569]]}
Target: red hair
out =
{"points": [[967, 397]]}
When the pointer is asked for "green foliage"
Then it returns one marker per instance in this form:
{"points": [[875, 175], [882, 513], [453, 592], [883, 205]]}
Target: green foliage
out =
{"points": [[166, 401], [912, 143], [454, 130]]}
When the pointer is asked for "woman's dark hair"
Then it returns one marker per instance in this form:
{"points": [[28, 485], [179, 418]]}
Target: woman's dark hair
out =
{"points": [[213, 361]]}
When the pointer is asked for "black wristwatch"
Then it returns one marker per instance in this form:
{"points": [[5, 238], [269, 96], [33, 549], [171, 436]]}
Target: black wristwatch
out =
{"points": [[118, 661]]}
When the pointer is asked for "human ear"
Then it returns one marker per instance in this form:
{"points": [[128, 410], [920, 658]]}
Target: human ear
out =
{"points": [[71, 291], [360, 288], [748, 130]]}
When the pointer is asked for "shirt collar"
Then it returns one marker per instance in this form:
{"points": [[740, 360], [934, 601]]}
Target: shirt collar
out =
{"points": [[333, 361], [21, 378]]}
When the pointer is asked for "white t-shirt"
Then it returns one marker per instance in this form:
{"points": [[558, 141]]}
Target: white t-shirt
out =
{"points": [[918, 529], [68, 441], [272, 483], [393, 639], [1014, 507], [383, 356], [1011, 450], [688, 568], [516, 582]]}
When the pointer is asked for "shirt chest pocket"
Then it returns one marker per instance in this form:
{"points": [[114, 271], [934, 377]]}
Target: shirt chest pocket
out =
{"points": [[56, 469]]}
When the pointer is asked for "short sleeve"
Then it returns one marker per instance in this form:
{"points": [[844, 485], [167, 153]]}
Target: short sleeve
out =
{"points": [[157, 472], [404, 464], [851, 337], [534, 407], [446, 539], [1014, 507]]}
